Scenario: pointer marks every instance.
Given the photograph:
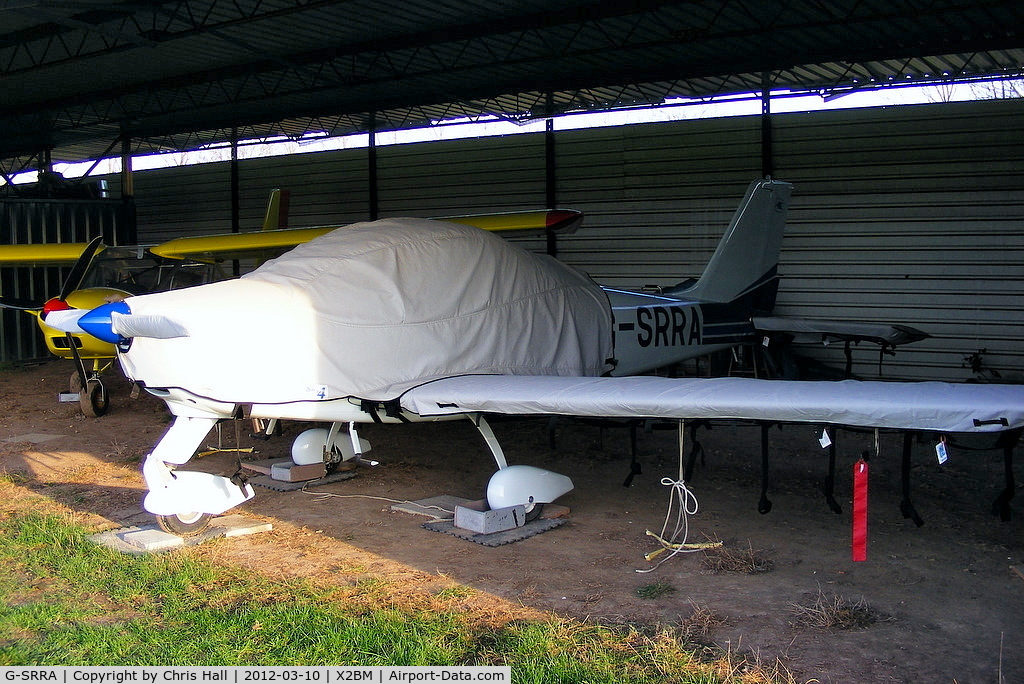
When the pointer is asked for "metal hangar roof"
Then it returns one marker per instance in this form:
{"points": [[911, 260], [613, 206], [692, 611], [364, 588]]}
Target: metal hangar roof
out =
{"points": [[79, 77]]}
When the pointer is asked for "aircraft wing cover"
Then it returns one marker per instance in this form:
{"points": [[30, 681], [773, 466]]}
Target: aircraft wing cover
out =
{"points": [[932, 406], [373, 309]]}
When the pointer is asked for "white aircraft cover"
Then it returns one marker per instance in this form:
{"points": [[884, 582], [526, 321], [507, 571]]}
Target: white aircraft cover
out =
{"points": [[935, 406], [371, 310]]}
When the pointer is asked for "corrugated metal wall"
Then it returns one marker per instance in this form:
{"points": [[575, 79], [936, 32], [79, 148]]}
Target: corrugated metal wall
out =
{"points": [[426, 179], [657, 197], [912, 214], [462, 176], [193, 200]]}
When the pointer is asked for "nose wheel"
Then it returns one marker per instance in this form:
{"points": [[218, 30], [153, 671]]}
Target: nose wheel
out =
{"points": [[94, 400], [92, 395], [184, 524]]}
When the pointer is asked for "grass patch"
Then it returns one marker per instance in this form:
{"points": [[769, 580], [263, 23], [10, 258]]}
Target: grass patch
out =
{"points": [[655, 590], [67, 601]]}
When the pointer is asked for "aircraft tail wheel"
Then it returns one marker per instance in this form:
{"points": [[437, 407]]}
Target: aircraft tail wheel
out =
{"points": [[94, 399], [184, 524]]}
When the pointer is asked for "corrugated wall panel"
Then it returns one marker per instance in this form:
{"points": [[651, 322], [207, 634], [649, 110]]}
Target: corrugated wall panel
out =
{"points": [[657, 197], [326, 187], [478, 175], [910, 215], [180, 200]]}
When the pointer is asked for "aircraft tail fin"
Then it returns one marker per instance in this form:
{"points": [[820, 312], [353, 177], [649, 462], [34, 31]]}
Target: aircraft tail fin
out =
{"points": [[277, 210], [745, 263]]}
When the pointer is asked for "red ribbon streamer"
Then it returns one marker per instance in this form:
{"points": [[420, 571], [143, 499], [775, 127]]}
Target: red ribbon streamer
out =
{"points": [[860, 510]]}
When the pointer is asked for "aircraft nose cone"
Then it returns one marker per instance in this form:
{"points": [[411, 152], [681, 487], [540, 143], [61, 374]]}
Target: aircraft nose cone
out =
{"points": [[98, 322]]}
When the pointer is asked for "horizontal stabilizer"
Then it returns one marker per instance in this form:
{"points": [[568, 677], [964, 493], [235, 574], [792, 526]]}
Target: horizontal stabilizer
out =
{"points": [[817, 330]]}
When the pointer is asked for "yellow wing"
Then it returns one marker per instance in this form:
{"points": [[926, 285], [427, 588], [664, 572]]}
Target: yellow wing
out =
{"points": [[268, 243], [42, 255], [213, 248], [556, 220], [265, 243]]}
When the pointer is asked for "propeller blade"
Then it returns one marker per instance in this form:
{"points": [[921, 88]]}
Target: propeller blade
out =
{"points": [[81, 267], [115, 323], [148, 325], [19, 304]]}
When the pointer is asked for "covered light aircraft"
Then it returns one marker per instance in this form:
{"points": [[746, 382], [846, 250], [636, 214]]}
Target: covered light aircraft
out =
{"points": [[410, 319], [100, 274]]}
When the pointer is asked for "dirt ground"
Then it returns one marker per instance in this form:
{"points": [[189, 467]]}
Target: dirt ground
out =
{"points": [[939, 603]]}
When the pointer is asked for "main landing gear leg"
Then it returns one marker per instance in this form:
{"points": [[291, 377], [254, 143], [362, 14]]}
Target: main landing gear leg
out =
{"points": [[515, 485], [484, 428], [184, 501]]}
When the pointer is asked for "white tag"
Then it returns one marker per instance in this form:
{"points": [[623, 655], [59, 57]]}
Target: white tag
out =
{"points": [[825, 441], [764, 341], [940, 451], [317, 392]]}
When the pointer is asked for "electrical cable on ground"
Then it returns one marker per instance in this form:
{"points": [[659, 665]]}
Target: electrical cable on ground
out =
{"points": [[330, 495]]}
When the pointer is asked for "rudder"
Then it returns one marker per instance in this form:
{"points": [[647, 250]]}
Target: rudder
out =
{"points": [[746, 259]]}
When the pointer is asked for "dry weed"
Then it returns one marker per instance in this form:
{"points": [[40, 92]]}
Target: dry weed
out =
{"points": [[749, 668], [726, 559], [835, 613], [700, 623]]}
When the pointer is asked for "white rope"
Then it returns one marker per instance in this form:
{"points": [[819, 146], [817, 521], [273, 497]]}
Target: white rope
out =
{"points": [[686, 502], [687, 506]]}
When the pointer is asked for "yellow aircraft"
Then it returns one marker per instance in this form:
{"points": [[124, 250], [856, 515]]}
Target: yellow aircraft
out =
{"points": [[102, 274], [92, 395]]}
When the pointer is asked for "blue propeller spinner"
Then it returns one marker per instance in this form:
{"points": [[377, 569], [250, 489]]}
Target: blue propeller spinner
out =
{"points": [[99, 323]]}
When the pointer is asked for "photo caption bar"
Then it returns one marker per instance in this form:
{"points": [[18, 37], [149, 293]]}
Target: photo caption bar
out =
{"points": [[242, 675]]}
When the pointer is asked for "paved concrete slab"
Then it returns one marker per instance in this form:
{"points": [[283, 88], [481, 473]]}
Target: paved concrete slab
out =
{"points": [[150, 538], [33, 437]]}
